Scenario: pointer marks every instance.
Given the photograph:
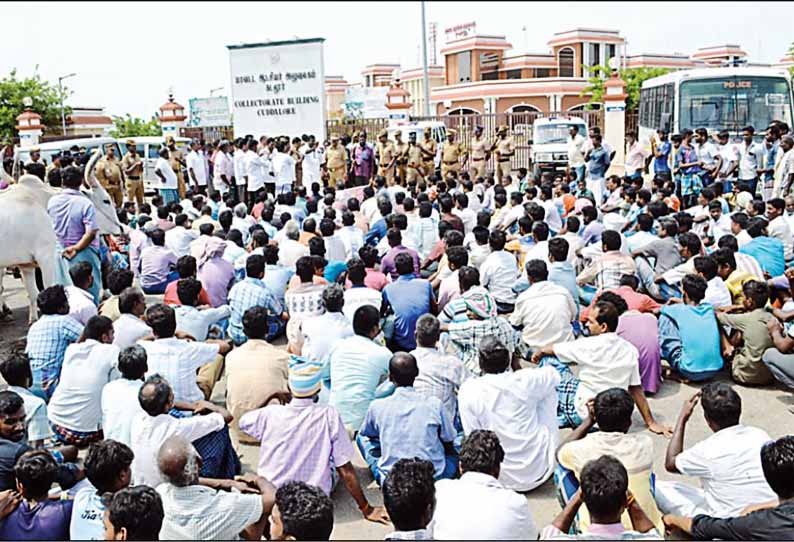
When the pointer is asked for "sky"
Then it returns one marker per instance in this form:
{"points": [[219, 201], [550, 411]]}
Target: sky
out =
{"points": [[127, 55]]}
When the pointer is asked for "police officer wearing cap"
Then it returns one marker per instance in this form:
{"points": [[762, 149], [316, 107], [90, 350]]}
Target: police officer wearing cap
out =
{"points": [[110, 176], [451, 154], [386, 155], [480, 152], [429, 147], [505, 149], [177, 161], [336, 162], [415, 169], [132, 167], [401, 156]]}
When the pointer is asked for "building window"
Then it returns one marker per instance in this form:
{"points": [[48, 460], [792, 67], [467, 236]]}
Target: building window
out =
{"points": [[464, 67], [594, 50], [462, 111], [566, 62], [513, 74], [542, 72], [609, 54]]}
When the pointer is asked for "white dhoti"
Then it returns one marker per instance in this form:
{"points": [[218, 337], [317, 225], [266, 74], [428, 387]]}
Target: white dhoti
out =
{"points": [[597, 187], [680, 499]]}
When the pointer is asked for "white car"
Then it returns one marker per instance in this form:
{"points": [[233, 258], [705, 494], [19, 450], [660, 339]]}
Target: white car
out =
{"points": [[550, 142], [51, 148], [438, 131]]}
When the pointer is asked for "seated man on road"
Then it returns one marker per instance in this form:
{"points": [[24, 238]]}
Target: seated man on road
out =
{"points": [[15, 370], [186, 268], [409, 496], [306, 441], [605, 493], [321, 333], [771, 521], [81, 301], [478, 506], [605, 361], [407, 424], [133, 513], [526, 419], [728, 463], [611, 411], [192, 320], [253, 292], [156, 268], [408, 298]]}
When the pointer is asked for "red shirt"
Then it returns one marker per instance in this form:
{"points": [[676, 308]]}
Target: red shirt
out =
{"points": [[171, 298], [636, 301]]}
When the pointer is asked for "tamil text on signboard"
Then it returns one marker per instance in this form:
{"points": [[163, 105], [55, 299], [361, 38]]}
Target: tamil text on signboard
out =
{"points": [[278, 88]]}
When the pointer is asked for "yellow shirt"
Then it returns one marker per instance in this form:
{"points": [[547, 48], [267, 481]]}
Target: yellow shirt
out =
{"points": [[450, 152], [735, 282], [386, 153], [335, 157], [505, 147], [128, 161], [479, 148], [429, 147], [108, 172]]}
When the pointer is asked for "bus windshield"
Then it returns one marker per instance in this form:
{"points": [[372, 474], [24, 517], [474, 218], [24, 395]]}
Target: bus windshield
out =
{"points": [[550, 134], [731, 103]]}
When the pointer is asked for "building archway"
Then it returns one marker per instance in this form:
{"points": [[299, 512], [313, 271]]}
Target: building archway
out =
{"points": [[524, 108], [565, 60], [584, 107], [462, 111]]}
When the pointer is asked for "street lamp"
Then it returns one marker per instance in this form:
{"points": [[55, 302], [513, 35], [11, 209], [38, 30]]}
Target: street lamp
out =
{"points": [[213, 91], [60, 92]]}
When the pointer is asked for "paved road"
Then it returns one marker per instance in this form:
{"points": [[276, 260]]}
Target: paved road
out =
{"points": [[768, 408]]}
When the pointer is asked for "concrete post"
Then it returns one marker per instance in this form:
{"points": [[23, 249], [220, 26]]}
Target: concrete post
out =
{"points": [[615, 121]]}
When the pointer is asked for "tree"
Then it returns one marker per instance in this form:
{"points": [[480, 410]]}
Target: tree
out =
{"points": [[46, 99], [129, 126], [791, 55], [633, 77]]}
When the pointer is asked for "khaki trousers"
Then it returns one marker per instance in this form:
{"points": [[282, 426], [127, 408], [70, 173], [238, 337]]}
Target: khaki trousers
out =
{"points": [[135, 191], [209, 374]]}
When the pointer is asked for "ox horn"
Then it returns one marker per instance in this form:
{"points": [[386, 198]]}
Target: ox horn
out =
{"points": [[3, 174], [88, 177]]}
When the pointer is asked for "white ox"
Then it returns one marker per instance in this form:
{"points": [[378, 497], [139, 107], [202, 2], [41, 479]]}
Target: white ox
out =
{"points": [[26, 232]]}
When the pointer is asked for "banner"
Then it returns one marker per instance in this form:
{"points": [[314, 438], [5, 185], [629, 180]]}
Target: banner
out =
{"points": [[366, 103], [209, 112], [278, 88]]}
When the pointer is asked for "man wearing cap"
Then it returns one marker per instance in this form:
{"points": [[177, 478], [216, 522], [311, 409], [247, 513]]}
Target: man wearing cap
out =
{"points": [[335, 161], [132, 168], [505, 149], [415, 169], [479, 154], [401, 155], [386, 155], [451, 153], [429, 147], [177, 160], [306, 441], [110, 176]]}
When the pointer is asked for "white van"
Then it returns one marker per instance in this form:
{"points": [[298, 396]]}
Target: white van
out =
{"points": [[148, 148], [50, 149], [438, 130], [550, 142]]}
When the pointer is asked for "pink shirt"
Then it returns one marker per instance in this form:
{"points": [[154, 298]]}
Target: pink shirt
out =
{"points": [[216, 275], [299, 441]]}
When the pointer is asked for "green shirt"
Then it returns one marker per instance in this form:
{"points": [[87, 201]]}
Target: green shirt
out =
{"points": [[747, 365]]}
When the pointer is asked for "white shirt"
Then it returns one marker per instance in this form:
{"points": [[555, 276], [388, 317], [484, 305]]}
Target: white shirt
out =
{"points": [[574, 243], [538, 251], [284, 168], [521, 408], [742, 238], [255, 168], [752, 157], [87, 511], [576, 150], [321, 333], [197, 322], [128, 329], [238, 160], [369, 208], [478, 507], [717, 294], [177, 361], [311, 166], [353, 239], [81, 304], [196, 162], [545, 310], [358, 297], [200, 513], [335, 250], [223, 166], [552, 217], [498, 274], [148, 433], [120, 406], [748, 264], [707, 153], [425, 235], [605, 361], [87, 367], [164, 167], [721, 227], [178, 240], [468, 217], [640, 239], [289, 251], [729, 153], [728, 464], [635, 158], [36, 422], [779, 229]]}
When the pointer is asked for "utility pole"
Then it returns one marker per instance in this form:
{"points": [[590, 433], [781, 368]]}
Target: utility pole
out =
{"points": [[60, 93], [425, 77]]}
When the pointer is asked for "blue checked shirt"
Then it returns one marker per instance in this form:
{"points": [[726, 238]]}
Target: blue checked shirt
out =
{"points": [[248, 293], [46, 345]]}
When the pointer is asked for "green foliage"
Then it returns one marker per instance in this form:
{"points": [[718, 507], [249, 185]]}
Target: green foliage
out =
{"points": [[791, 53], [633, 77], [129, 126], [46, 102]]}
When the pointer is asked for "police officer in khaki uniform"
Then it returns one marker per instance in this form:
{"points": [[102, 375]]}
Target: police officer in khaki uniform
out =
{"points": [[110, 176], [415, 169], [401, 152], [132, 167], [386, 157], [451, 154], [505, 149], [177, 161], [429, 147], [336, 162], [480, 152]]}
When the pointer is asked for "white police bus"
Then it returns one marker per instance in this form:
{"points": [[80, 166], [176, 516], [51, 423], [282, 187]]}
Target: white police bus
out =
{"points": [[725, 98]]}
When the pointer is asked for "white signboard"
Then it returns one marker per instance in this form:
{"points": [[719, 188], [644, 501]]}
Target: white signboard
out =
{"points": [[207, 112], [366, 103], [278, 88], [460, 31]]}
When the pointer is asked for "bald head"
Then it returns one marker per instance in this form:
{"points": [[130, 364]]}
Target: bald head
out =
{"points": [[178, 461], [403, 369]]}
